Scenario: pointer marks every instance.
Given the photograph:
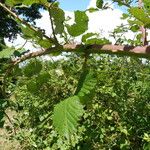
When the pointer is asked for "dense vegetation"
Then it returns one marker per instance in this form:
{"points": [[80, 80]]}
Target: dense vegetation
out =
{"points": [[117, 117], [83, 100]]}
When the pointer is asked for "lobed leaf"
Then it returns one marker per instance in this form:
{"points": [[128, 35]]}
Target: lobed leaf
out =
{"points": [[36, 36], [29, 33]]}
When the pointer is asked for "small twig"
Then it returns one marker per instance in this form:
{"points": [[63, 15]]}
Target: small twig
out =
{"points": [[34, 54], [23, 44], [52, 24], [123, 3]]}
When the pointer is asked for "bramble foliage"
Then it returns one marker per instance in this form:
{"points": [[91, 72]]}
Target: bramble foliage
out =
{"points": [[115, 117], [83, 101]]}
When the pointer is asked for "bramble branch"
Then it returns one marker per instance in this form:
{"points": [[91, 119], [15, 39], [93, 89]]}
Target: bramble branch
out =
{"points": [[33, 55], [139, 51]]}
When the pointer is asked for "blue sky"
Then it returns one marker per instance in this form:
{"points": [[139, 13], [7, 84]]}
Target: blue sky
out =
{"points": [[71, 5]]}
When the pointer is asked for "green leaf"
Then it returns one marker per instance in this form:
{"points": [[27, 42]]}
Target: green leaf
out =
{"points": [[2, 121], [86, 36], [7, 52], [80, 25], [32, 86], [92, 9], [147, 5], [37, 36], [82, 79], [58, 16], [99, 4], [146, 137], [29, 33], [13, 2], [146, 146], [135, 22], [97, 41], [30, 2], [24, 2], [66, 116], [124, 16], [88, 86], [43, 78], [32, 68], [45, 43], [134, 28], [140, 15]]}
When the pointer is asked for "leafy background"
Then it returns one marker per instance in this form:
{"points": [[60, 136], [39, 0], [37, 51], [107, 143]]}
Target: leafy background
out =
{"points": [[116, 117], [83, 101]]}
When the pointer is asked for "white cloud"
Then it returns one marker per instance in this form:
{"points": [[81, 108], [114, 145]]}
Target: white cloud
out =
{"points": [[44, 23], [104, 21], [92, 4]]}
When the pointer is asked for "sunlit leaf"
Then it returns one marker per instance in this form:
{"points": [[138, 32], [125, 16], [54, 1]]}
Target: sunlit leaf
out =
{"points": [[66, 116], [86, 36], [80, 25], [7, 52], [99, 4], [140, 15], [24, 2]]}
